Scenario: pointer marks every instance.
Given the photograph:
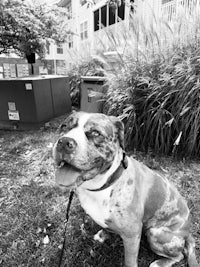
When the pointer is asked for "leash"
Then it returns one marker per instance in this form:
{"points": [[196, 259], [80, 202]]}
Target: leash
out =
{"points": [[66, 221], [111, 180]]}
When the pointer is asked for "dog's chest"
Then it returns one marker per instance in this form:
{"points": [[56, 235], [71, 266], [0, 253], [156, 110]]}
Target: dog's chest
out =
{"points": [[96, 204]]}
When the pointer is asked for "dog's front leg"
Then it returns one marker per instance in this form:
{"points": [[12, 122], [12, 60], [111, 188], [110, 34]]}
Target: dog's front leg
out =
{"points": [[131, 248]]}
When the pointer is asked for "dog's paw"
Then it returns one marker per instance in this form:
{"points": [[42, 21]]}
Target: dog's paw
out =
{"points": [[155, 264], [101, 236], [162, 263]]}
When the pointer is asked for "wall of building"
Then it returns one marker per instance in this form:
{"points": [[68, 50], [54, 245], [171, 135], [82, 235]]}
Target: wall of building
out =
{"points": [[96, 40], [100, 39], [86, 41]]}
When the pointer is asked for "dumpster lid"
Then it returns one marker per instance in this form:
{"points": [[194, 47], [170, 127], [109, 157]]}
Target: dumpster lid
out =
{"points": [[93, 78], [35, 77]]}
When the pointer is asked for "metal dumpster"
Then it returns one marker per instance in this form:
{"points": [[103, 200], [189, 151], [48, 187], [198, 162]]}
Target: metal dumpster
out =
{"points": [[33, 100], [92, 88]]}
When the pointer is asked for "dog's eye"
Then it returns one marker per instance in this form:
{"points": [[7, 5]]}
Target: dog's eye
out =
{"points": [[63, 127], [93, 134]]}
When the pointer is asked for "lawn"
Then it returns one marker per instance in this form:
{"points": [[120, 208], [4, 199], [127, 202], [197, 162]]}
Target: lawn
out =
{"points": [[32, 208]]}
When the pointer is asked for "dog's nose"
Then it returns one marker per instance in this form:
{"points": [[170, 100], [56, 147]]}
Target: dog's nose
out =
{"points": [[66, 144]]}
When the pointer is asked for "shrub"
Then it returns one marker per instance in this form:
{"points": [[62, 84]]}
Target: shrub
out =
{"points": [[157, 90]]}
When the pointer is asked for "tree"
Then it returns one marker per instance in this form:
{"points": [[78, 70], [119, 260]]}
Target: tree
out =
{"points": [[26, 26]]}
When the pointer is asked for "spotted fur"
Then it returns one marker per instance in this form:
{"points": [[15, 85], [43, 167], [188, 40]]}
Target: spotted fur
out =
{"points": [[139, 199]]}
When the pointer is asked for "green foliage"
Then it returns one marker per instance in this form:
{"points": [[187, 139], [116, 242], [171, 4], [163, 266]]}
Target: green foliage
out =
{"points": [[25, 26], [156, 89]]}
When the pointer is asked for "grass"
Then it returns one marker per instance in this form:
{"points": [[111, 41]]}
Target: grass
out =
{"points": [[154, 85], [32, 207]]}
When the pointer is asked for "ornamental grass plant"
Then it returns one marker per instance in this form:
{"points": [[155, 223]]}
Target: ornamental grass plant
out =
{"points": [[155, 86]]}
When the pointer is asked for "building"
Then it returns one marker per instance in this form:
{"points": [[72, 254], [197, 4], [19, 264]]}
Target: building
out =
{"points": [[91, 23], [94, 24], [97, 26], [171, 8]]}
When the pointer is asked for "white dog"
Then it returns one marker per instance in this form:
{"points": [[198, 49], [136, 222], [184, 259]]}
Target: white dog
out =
{"points": [[120, 193]]}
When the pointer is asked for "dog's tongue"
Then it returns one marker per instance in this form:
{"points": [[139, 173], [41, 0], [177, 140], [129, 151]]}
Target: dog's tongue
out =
{"points": [[66, 175]]}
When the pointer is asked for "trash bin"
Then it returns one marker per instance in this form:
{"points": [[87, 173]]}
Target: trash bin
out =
{"points": [[92, 88], [31, 101]]}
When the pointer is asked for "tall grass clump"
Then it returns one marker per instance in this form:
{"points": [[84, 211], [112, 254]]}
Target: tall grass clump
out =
{"points": [[155, 87]]}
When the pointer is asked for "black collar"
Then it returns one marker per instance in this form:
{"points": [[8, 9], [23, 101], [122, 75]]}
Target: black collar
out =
{"points": [[115, 176]]}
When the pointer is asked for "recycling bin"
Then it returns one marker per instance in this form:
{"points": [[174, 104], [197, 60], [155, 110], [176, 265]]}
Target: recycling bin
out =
{"points": [[91, 95]]}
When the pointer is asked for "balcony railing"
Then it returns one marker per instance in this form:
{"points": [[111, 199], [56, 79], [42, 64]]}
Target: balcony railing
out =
{"points": [[109, 36], [172, 8]]}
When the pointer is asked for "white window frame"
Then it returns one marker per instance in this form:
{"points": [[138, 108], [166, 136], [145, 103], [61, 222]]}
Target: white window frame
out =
{"points": [[59, 49], [107, 16], [84, 30]]}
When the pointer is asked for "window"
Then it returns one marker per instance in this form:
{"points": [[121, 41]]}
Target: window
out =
{"points": [[59, 49], [104, 16], [96, 20], [108, 15], [121, 12], [70, 41], [84, 30], [47, 47], [112, 15], [166, 1]]}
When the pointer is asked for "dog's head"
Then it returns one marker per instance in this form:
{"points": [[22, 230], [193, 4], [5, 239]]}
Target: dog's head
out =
{"points": [[87, 146]]}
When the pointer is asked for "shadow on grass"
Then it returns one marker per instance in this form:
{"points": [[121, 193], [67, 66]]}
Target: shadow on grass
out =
{"points": [[86, 253]]}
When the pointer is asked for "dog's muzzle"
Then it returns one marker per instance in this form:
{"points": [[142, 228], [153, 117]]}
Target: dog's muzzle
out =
{"points": [[66, 145]]}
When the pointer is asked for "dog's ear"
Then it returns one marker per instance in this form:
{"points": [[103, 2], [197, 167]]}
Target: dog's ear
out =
{"points": [[120, 130], [66, 122]]}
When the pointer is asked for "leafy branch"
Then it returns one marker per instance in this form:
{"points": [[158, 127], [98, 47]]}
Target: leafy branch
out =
{"points": [[26, 26]]}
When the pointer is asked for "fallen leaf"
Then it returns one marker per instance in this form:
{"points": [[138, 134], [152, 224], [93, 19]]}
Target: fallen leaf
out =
{"points": [[46, 240], [39, 230]]}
